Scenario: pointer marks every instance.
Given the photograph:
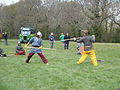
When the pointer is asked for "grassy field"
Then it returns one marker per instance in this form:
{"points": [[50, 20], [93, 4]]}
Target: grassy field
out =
{"points": [[62, 73]]}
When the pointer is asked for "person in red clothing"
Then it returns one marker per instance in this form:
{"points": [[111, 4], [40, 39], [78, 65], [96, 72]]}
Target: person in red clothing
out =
{"points": [[19, 49], [37, 45]]}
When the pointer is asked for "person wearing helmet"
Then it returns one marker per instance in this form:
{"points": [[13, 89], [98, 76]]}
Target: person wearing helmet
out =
{"points": [[19, 49], [88, 48], [52, 39], [37, 44]]}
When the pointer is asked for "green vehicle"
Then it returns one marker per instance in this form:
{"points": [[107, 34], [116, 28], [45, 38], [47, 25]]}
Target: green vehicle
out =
{"points": [[26, 33]]}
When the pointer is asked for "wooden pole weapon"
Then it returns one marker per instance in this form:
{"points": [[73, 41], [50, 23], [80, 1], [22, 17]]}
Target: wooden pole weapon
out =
{"points": [[42, 48]]}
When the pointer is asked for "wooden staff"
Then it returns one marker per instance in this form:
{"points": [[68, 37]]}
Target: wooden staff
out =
{"points": [[42, 48]]}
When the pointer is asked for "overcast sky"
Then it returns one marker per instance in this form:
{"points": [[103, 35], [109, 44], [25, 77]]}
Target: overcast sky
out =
{"points": [[8, 2]]}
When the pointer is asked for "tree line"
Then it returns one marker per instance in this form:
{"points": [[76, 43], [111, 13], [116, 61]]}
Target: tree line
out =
{"points": [[100, 17]]}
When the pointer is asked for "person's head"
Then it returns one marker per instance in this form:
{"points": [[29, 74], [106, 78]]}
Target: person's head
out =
{"points": [[85, 32], [51, 33], [19, 44], [61, 33], [67, 34], [39, 34], [5, 32]]}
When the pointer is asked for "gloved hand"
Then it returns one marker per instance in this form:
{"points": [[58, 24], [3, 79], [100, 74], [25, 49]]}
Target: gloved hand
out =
{"points": [[74, 39], [25, 46], [40, 47]]}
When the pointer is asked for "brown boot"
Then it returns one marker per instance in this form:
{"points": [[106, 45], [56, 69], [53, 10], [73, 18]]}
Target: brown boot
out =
{"points": [[27, 61]]}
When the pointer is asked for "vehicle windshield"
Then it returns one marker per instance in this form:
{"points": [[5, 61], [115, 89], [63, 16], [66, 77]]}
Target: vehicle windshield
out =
{"points": [[25, 32]]}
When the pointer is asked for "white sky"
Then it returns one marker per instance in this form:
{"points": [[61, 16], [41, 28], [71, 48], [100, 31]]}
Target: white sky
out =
{"points": [[8, 2]]}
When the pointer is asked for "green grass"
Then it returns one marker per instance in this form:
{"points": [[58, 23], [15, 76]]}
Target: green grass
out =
{"points": [[62, 73]]}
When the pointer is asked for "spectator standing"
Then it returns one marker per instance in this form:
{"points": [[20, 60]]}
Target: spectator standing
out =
{"points": [[52, 39], [5, 37]]}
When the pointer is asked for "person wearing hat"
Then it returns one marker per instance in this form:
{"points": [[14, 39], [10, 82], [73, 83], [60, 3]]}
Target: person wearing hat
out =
{"points": [[52, 39], [19, 49], [37, 44], [88, 48]]}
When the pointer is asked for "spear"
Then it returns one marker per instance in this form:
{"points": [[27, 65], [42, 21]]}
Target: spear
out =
{"points": [[42, 48]]}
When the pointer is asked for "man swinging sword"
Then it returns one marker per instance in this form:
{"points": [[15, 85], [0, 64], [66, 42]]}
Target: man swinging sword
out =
{"points": [[88, 48], [36, 48]]}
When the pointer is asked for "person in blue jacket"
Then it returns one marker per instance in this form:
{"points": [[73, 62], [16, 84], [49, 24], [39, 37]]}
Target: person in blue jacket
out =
{"points": [[37, 45], [52, 39]]}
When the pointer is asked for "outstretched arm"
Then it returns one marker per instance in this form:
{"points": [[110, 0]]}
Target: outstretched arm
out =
{"points": [[27, 44], [31, 40]]}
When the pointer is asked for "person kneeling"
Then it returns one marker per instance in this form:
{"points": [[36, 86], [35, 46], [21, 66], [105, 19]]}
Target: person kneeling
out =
{"points": [[19, 49]]}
